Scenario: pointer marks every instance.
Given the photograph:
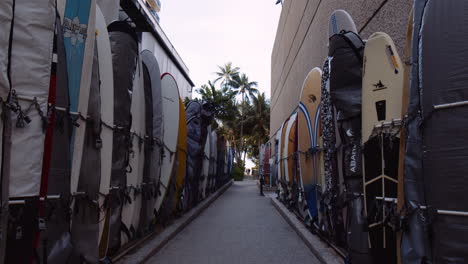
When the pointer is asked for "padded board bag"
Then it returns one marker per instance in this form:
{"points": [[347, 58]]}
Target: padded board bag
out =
{"points": [[198, 117], [29, 71], [345, 87], [435, 164], [153, 146], [124, 48]]}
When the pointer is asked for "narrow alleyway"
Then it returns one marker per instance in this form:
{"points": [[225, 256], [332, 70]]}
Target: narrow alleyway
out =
{"points": [[241, 227]]}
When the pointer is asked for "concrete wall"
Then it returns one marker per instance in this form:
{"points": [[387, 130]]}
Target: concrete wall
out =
{"points": [[302, 37]]}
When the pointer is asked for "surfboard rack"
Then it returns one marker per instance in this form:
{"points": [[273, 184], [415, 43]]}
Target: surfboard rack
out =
{"points": [[450, 105], [423, 207], [48, 197], [390, 124]]}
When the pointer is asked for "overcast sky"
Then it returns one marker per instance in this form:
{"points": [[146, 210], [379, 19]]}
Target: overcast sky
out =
{"points": [[207, 33]]}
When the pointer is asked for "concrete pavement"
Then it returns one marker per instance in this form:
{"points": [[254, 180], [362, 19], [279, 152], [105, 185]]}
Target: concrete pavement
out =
{"points": [[239, 227]]}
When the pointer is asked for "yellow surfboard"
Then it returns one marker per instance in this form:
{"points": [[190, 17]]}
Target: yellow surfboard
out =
{"points": [[181, 152]]}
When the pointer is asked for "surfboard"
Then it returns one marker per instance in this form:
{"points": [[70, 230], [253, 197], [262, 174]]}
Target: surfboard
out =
{"points": [[79, 46], [278, 157], [6, 17], [111, 10], [307, 144], [153, 146], [291, 159], [381, 124], [106, 79], [131, 209], [282, 173], [340, 20], [79, 35], [181, 156], [170, 106], [289, 149]]}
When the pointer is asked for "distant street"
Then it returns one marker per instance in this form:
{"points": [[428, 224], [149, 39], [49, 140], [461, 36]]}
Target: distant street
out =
{"points": [[240, 227]]}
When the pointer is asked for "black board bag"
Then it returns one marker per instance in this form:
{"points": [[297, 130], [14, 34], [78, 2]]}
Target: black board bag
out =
{"points": [[435, 229]]}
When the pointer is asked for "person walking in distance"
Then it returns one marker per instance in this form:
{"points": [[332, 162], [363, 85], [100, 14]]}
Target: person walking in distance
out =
{"points": [[262, 182]]}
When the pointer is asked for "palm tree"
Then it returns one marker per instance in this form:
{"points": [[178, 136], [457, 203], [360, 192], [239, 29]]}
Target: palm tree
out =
{"points": [[226, 74], [223, 101], [258, 121], [243, 85]]}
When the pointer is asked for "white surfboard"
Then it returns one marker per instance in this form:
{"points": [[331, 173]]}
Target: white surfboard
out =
{"points": [[131, 212], [107, 113], [340, 20], [170, 104], [278, 155], [110, 10], [79, 132], [286, 147]]}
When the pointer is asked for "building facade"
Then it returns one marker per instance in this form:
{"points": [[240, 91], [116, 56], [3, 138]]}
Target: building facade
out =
{"points": [[302, 38]]}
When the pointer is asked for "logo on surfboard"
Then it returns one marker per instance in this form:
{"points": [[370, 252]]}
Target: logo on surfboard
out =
{"points": [[74, 30], [379, 86]]}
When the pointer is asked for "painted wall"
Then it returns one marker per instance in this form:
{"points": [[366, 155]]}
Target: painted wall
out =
{"points": [[302, 37]]}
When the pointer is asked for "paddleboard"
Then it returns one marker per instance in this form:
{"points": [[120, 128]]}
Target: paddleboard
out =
{"points": [[170, 106], [153, 120], [381, 124], [309, 106]]}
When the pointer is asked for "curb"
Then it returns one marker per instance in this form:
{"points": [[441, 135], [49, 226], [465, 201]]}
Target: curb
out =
{"points": [[147, 247], [324, 253]]}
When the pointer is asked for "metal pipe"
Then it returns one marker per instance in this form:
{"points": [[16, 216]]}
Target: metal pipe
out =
{"points": [[450, 105]]}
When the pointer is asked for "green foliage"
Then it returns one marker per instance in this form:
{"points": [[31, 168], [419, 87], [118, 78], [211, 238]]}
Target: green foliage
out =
{"points": [[244, 124], [238, 173]]}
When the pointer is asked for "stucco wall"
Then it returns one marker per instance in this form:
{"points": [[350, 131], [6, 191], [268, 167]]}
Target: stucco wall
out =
{"points": [[302, 37]]}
